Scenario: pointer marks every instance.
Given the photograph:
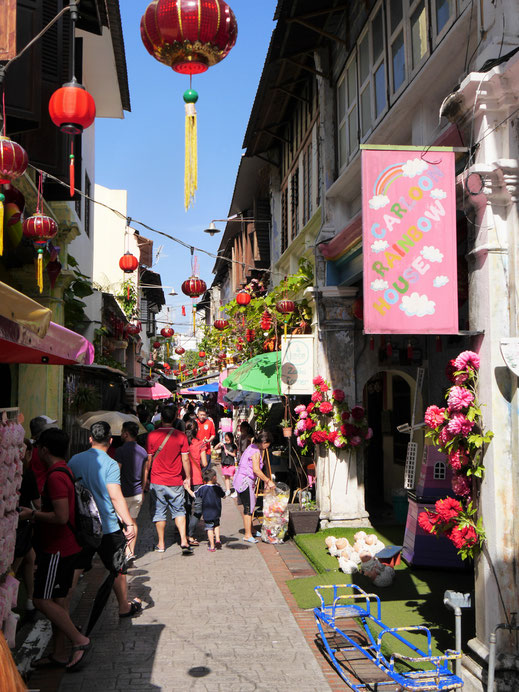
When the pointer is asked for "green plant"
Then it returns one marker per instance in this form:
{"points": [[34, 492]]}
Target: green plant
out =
{"points": [[80, 287], [128, 298], [286, 423], [261, 414], [85, 398]]}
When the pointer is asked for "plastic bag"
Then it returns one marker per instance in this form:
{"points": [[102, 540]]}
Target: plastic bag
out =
{"points": [[275, 514]]}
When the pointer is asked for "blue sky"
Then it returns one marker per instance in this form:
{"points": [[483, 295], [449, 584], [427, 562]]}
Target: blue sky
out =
{"points": [[144, 153]]}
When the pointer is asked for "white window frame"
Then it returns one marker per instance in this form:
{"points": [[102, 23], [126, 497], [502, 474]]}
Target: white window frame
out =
{"points": [[437, 36]]}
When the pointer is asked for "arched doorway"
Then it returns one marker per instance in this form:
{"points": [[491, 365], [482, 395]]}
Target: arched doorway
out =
{"points": [[388, 397]]}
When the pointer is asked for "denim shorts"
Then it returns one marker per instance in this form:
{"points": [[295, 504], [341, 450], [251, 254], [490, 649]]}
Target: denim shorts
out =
{"points": [[212, 524], [164, 496]]}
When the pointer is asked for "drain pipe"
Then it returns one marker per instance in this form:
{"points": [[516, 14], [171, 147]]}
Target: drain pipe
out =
{"points": [[492, 649], [452, 602]]}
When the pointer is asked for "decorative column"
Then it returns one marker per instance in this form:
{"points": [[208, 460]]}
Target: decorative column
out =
{"points": [[340, 474]]}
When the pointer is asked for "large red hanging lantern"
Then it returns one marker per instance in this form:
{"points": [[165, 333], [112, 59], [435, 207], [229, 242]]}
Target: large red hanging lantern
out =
{"points": [[180, 351], [134, 328], [167, 332], [194, 287], [128, 263], [243, 298], [40, 229], [189, 37], [285, 306], [221, 324], [13, 162]]}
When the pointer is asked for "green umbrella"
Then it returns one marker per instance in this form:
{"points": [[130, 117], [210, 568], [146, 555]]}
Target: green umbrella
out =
{"points": [[259, 374]]}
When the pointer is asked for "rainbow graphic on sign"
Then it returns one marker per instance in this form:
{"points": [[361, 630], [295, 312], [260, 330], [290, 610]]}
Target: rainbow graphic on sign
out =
{"points": [[386, 178]]}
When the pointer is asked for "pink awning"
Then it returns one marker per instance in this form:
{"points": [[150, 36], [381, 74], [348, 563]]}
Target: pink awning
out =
{"points": [[59, 346], [158, 391]]}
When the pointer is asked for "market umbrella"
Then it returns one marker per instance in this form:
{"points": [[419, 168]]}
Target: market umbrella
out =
{"points": [[211, 387], [115, 420], [241, 398], [259, 374], [158, 391]]}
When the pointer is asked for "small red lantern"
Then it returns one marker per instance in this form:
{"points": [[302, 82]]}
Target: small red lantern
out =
{"points": [[40, 229], [156, 344], [13, 162], [243, 298], [194, 287], [205, 369], [221, 324], [285, 306], [201, 354], [180, 351], [150, 363], [134, 328], [128, 263], [167, 332], [195, 371], [250, 335], [201, 363], [266, 320]]}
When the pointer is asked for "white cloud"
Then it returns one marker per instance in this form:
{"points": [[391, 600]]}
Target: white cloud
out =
{"points": [[379, 285], [431, 253], [414, 167], [416, 305], [378, 201], [440, 281], [379, 246], [438, 194]]}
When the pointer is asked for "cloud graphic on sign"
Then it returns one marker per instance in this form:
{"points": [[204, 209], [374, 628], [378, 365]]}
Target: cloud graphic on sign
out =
{"points": [[431, 253], [379, 246], [378, 201], [438, 194], [416, 305], [440, 281], [379, 285], [414, 167]]}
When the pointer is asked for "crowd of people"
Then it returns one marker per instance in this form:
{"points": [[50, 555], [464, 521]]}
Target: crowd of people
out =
{"points": [[170, 460]]}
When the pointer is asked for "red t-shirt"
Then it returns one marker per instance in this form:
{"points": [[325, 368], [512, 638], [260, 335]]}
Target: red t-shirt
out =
{"points": [[195, 452], [167, 467], [38, 468], [54, 538], [206, 430]]}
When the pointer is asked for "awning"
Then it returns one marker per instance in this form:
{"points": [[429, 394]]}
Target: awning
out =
{"points": [[17, 307], [158, 391], [60, 346], [259, 374], [212, 387]]}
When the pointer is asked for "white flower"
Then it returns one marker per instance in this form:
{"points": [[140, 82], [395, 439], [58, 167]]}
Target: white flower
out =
{"points": [[431, 253], [440, 281], [417, 305], [378, 201], [379, 285], [414, 167], [438, 194], [379, 246]]}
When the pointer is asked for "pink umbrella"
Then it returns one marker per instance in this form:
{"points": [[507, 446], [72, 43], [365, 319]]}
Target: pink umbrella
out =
{"points": [[158, 391]]}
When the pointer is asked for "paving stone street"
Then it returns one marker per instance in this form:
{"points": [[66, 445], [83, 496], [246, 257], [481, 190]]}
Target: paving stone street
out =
{"points": [[211, 621]]}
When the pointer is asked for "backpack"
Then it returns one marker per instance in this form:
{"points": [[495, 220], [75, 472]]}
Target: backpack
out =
{"points": [[88, 530]]}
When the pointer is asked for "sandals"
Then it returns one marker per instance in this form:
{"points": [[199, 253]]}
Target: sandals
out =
{"points": [[193, 542], [135, 607], [251, 540], [159, 550], [186, 550], [211, 550], [48, 662], [85, 648]]}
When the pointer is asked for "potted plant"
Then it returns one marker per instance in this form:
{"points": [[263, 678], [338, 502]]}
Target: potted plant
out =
{"points": [[286, 424], [303, 515]]}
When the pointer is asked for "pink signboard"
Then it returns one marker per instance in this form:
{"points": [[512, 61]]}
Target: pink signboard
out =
{"points": [[409, 241]]}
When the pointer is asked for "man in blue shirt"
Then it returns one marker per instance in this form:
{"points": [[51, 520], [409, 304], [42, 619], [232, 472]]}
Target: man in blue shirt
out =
{"points": [[100, 474]]}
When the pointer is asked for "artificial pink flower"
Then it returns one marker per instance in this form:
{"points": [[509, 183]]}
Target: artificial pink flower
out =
{"points": [[357, 412], [434, 417], [326, 407], [447, 509], [459, 398], [463, 537], [355, 441], [303, 414], [339, 443], [317, 381], [445, 436], [369, 434], [458, 459], [300, 425], [345, 415], [461, 485], [300, 408], [300, 442], [467, 360], [317, 396], [324, 387], [338, 395], [459, 424]]}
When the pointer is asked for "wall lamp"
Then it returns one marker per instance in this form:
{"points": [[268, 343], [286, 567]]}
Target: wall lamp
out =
{"points": [[212, 230]]}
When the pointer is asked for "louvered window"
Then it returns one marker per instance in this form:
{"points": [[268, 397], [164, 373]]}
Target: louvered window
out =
{"points": [[294, 202], [284, 220]]}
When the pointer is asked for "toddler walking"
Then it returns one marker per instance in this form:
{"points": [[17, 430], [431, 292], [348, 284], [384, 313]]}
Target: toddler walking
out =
{"points": [[208, 504], [229, 453]]}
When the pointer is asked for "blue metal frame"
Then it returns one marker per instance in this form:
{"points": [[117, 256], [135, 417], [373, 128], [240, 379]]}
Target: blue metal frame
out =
{"points": [[439, 677]]}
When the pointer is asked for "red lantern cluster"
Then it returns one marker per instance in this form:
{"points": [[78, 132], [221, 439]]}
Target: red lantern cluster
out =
{"points": [[128, 263], [188, 36], [167, 332], [194, 287], [243, 298], [285, 306], [180, 351], [266, 320], [221, 324], [250, 334]]}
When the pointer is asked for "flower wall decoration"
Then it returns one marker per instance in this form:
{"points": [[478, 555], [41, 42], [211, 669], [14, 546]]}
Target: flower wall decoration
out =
{"points": [[457, 431], [328, 420]]}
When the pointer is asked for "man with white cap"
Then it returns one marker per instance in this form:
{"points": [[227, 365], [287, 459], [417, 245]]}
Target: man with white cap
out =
{"points": [[37, 426]]}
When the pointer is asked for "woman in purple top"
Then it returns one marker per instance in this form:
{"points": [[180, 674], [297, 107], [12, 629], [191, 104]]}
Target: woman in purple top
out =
{"points": [[249, 469]]}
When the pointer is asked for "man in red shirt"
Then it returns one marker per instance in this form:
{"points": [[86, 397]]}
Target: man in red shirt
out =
{"points": [[57, 550], [206, 430], [168, 472]]}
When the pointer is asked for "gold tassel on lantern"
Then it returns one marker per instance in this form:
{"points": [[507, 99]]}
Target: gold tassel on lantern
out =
{"points": [[167, 348], [194, 321], [191, 154], [39, 270]]}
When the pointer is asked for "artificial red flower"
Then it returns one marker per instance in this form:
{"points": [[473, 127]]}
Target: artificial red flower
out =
{"points": [[338, 395], [461, 485], [463, 537], [317, 381], [309, 424], [434, 417], [458, 459], [427, 521], [345, 415], [450, 369], [319, 436], [324, 387], [447, 509], [349, 430], [317, 396], [332, 435], [326, 407], [357, 412], [310, 407]]}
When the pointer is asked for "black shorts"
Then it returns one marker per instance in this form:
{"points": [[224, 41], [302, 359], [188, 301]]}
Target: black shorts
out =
{"points": [[111, 551], [24, 532], [245, 500], [54, 575]]}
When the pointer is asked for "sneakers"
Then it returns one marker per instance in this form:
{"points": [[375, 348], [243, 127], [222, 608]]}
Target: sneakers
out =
{"points": [[211, 550], [218, 545], [234, 493], [227, 493]]}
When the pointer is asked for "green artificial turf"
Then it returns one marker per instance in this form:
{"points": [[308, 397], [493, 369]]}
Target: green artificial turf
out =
{"points": [[414, 598]]}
